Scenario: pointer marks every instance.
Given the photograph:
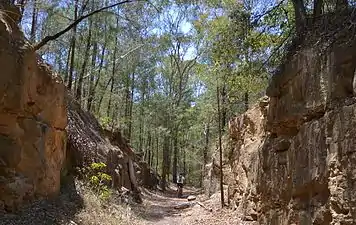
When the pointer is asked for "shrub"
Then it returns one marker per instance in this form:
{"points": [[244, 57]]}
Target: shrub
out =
{"points": [[98, 179]]}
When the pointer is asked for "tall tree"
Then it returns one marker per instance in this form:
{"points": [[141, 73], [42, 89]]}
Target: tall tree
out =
{"points": [[34, 21], [73, 47]]}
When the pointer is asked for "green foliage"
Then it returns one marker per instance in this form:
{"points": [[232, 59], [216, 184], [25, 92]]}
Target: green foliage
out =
{"points": [[105, 121], [98, 180]]}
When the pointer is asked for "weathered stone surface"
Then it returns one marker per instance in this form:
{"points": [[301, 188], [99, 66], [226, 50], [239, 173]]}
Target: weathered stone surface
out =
{"points": [[32, 120], [294, 161], [247, 134]]}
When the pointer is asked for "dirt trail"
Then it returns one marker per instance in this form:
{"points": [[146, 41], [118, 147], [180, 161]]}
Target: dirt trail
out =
{"points": [[77, 205], [166, 209]]}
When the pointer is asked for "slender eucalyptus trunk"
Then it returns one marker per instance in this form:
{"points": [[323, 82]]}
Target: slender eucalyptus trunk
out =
{"points": [[220, 149], [34, 22], [72, 46], [96, 109], [184, 162], [223, 107], [79, 91], [300, 15], [206, 147], [142, 122], [113, 71], [130, 106], [175, 156], [91, 92], [157, 148], [152, 152], [148, 149], [102, 95], [66, 72], [165, 162]]}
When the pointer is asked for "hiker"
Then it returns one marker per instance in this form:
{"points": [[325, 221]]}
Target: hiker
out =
{"points": [[180, 183]]}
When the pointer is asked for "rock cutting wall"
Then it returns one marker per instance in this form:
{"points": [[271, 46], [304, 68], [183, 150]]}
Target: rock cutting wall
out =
{"points": [[32, 119], [294, 157]]}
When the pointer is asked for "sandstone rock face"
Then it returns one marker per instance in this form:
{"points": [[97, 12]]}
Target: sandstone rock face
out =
{"points": [[293, 160], [32, 120]]}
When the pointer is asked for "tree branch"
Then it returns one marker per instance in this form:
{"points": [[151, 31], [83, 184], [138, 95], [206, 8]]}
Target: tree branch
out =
{"points": [[258, 17], [47, 39], [275, 51]]}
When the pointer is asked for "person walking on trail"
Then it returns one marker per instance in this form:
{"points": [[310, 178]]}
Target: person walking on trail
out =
{"points": [[180, 184]]}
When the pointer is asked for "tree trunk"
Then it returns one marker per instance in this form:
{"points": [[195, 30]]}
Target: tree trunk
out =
{"points": [[220, 149], [72, 46], [127, 131], [157, 148], [175, 156], [165, 162], [223, 107], [246, 101], [113, 73], [108, 110], [148, 150], [134, 185], [59, 62], [78, 94], [142, 122], [152, 152], [91, 78], [98, 78], [130, 107], [300, 15], [206, 147], [184, 162], [93, 88], [318, 8], [66, 72], [34, 22]]}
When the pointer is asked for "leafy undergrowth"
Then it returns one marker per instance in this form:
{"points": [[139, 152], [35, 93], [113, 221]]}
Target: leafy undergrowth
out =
{"points": [[108, 213]]}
